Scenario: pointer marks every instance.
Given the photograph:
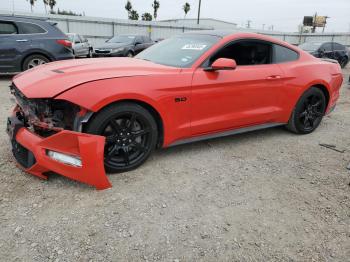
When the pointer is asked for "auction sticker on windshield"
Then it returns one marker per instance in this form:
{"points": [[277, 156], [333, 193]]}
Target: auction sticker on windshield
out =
{"points": [[197, 47]]}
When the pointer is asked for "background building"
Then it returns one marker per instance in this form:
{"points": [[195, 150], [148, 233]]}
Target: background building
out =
{"points": [[205, 22]]}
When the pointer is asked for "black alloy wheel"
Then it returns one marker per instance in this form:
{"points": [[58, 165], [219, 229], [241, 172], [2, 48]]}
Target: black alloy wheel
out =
{"points": [[308, 112], [131, 135]]}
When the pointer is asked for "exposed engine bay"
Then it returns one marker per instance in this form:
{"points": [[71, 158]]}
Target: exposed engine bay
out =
{"points": [[46, 117]]}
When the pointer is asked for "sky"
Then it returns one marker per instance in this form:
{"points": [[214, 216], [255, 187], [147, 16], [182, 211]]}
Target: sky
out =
{"points": [[283, 15]]}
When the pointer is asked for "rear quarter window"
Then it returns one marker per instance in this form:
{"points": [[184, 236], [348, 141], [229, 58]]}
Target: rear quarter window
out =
{"points": [[283, 54], [8, 28], [29, 28]]}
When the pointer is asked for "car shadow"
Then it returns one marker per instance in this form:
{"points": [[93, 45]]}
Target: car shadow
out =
{"points": [[6, 77], [231, 141]]}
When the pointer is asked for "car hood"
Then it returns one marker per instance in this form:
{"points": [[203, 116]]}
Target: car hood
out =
{"points": [[50, 80], [111, 45]]}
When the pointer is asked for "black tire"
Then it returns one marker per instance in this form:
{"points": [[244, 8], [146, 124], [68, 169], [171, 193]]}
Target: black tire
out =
{"points": [[89, 55], [131, 135], [130, 54], [308, 112], [34, 60]]}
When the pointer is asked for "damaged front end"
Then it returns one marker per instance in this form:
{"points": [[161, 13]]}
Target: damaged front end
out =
{"points": [[46, 137]]}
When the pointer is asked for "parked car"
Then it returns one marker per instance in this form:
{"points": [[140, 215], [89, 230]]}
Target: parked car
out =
{"points": [[123, 45], [81, 46], [81, 118], [329, 50], [26, 43]]}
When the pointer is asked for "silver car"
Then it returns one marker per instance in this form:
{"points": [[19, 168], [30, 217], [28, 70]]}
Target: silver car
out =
{"points": [[81, 46]]}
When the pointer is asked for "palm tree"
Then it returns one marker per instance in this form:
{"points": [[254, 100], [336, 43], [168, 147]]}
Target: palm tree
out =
{"points": [[155, 6], [32, 2], [52, 4], [46, 3], [186, 8], [134, 15], [147, 17], [128, 7]]}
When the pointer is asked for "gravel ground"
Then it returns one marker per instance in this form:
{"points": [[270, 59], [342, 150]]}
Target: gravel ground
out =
{"points": [[263, 196]]}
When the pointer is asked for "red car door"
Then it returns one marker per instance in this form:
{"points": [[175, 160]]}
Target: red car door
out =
{"points": [[230, 99]]}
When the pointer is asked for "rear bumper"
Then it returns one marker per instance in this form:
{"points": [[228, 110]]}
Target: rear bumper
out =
{"points": [[30, 151], [108, 55]]}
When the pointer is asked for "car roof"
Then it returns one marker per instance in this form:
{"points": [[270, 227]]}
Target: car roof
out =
{"points": [[239, 34], [15, 18], [21, 18]]}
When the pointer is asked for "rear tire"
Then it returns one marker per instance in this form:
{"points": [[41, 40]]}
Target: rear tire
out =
{"points": [[89, 55], [308, 112], [131, 135], [33, 61]]}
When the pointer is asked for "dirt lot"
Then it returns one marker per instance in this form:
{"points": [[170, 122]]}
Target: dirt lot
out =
{"points": [[263, 196]]}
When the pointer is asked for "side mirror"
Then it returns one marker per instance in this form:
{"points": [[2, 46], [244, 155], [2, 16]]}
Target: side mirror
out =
{"points": [[222, 64]]}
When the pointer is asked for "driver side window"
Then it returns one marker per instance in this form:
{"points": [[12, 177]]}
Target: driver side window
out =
{"points": [[77, 39], [247, 52]]}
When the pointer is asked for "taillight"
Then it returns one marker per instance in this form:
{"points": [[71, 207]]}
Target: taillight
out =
{"points": [[65, 43]]}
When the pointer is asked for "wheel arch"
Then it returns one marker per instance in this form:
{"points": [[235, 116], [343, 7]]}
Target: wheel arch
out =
{"points": [[153, 111], [324, 90], [35, 53], [318, 85]]}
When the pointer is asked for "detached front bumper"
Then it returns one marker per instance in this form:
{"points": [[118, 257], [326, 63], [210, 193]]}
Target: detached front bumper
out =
{"points": [[32, 153]]}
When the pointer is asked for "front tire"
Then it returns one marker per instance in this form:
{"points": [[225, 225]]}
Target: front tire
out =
{"points": [[131, 135], [308, 113], [34, 61]]}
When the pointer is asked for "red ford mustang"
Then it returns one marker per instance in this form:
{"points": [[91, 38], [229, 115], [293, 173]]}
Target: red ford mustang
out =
{"points": [[79, 118]]}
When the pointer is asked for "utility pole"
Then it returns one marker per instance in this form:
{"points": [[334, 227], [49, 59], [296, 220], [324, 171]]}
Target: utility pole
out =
{"points": [[314, 24], [248, 23], [199, 11], [13, 7], [263, 26]]}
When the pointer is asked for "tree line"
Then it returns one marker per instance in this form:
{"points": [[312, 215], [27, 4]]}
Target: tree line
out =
{"points": [[132, 13]]}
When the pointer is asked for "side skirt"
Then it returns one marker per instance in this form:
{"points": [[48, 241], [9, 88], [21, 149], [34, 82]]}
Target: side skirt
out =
{"points": [[226, 133]]}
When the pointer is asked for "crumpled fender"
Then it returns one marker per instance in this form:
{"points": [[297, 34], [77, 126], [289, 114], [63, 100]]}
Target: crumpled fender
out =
{"points": [[90, 148]]}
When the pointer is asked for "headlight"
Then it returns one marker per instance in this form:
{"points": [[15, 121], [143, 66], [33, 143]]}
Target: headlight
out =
{"points": [[118, 50]]}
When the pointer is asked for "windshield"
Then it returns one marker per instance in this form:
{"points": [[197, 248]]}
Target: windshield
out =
{"points": [[310, 46], [127, 39], [180, 51]]}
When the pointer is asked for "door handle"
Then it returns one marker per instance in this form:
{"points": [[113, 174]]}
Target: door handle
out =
{"points": [[273, 77], [22, 40]]}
